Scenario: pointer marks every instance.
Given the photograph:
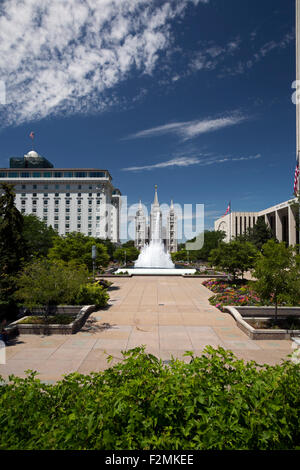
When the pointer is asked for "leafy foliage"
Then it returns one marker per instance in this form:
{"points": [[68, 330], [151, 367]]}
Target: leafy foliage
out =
{"points": [[277, 271], [38, 237], [212, 239], [259, 234], [214, 402], [45, 283], [127, 254], [77, 247], [91, 294], [234, 258]]}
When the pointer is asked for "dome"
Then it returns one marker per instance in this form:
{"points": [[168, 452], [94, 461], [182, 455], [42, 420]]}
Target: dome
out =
{"points": [[32, 154]]}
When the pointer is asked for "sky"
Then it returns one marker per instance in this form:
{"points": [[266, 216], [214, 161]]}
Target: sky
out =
{"points": [[191, 95]]}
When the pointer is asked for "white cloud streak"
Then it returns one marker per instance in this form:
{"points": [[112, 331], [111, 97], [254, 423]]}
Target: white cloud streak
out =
{"points": [[190, 129], [189, 161], [65, 57]]}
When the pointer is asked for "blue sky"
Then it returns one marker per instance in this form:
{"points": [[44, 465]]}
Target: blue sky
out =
{"points": [[191, 95]]}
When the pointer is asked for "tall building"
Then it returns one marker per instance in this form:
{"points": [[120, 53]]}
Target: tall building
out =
{"points": [[70, 199], [145, 230]]}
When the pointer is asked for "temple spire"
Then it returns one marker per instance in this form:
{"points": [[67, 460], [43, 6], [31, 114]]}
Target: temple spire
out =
{"points": [[155, 197]]}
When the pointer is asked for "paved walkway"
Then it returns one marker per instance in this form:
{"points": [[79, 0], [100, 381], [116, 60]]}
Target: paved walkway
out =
{"points": [[170, 315]]}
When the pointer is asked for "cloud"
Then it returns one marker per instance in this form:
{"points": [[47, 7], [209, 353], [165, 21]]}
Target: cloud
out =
{"points": [[190, 129], [66, 57], [189, 161]]}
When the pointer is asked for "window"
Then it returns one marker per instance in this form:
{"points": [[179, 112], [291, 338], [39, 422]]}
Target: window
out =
{"points": [[80, 174], [90, 210], [78, 217], [57, 186], [23, 195], [79, 202], [34, 194], [56, 209], [23, 202], [67, 226], [45, 218], [68, 209], [67, 217], [98, 202], [45, 194], [79, 186], [56, 194], [45, 202], [33, 210], [79, 209], [90, 202], [45, 186], [68, 174], [97, 174], [98, 194], [23, 211], [56, 217], [36, 174], [45, 209], [78, 225], [90, 234], [56, 226], [57, 174], [90, 194], [68, 202], [23, 186], [90, 226], [67, 194], [89, 217], [79, 194], [56, 202], [3, 174], [33, 202], [98, 217], [90, 187], [13, 175], [47, 174], [68, 186], [24, 175]]}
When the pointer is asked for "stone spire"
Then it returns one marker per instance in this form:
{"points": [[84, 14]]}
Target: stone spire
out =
{"points": [[172, 206], [155, 203]]}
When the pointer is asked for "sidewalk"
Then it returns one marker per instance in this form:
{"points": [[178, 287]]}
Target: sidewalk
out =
{"points": [[169, 315]]}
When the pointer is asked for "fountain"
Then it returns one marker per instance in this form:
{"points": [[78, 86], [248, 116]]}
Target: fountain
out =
{"points": [[153, 259]]}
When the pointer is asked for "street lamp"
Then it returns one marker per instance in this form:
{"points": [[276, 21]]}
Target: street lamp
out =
{"points": [[125, 258], [94, 256]]}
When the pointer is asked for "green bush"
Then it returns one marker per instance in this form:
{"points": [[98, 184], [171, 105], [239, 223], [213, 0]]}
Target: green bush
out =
{"points": [[91, 294], [214, 402]]}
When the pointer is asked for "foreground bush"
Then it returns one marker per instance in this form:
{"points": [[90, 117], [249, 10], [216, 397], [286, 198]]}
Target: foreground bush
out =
{"points": [[214, 402], [92, 294]]}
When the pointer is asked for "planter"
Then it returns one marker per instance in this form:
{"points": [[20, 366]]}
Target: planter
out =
{"points": [[207, 276], [80, 315], [242, 314]]}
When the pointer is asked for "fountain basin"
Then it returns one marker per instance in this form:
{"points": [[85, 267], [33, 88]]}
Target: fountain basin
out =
{"points": [[156, 271]]}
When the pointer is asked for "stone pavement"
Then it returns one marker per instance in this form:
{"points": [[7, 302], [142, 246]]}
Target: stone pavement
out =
{"points": [[169, 315]]}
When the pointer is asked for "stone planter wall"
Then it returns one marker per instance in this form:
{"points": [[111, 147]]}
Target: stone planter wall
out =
{"points": [[239, 313], [70, 329]]}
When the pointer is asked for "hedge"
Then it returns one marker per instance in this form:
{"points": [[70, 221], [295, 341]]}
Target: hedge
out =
{"points": [[215, 401]]}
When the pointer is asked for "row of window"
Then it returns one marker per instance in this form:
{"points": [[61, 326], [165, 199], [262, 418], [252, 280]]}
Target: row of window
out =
{"points": [[59, 195], [56, 202], [53, 174], [56, 186]]}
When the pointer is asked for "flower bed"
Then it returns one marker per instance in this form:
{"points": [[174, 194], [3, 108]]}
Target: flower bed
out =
{"points": [[231, 294]]}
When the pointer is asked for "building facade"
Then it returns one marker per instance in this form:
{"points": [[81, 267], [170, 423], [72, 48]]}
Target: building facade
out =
{"points": [[145, 230], [69, 199], [280, 218]]}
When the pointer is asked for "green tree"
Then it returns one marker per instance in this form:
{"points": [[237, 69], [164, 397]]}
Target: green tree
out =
{"points": [[12, 245], [127, 255], [44, 283], [259, 234], [77, 247], [235, 257], [277, 271], [38, 237]]}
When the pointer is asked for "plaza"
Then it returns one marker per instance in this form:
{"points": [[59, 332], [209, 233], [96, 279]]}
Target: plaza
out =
{"points": [[169, 315]]}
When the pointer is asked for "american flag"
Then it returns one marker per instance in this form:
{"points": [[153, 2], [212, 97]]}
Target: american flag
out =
{"points": [[296, 178], [228, 209], [31, 135]]}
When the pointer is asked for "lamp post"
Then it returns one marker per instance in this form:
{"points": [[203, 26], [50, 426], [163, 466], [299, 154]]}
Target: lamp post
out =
{"points": [[125, 258], [94, 256]]}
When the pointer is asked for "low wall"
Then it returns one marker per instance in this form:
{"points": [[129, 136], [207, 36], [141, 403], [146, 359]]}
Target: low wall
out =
{"points": [[239, 313], [79, 319]]}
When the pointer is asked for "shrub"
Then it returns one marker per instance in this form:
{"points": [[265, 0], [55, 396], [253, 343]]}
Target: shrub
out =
{"points": [[214, 402], [92, 294]]}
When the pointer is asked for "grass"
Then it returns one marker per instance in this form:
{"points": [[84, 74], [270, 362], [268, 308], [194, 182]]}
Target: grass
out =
{"points": [[51, 320]]}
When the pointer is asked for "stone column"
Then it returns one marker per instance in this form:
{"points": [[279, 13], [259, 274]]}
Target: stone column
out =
{"points": [[278, 225], [292, 226]]}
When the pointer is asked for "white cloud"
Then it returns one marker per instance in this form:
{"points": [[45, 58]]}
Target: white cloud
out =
{"points": [[64, 57], [204, 160], [190, 129]]}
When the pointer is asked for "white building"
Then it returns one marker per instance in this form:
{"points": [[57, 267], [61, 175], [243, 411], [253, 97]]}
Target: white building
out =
{"points": [[70, 199], [145, 232], [280, 218]]}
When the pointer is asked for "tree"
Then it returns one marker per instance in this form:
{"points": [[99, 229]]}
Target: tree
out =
{"points": [[45, 283], [235, 257], [212, 239], [38, 237], [277, 271], [126, 254], [259, 234], [12, 244], [77, 247]]}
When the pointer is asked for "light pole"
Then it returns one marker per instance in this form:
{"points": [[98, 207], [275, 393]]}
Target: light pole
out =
{"points": [[125, 258], [94, 256]]}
